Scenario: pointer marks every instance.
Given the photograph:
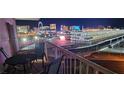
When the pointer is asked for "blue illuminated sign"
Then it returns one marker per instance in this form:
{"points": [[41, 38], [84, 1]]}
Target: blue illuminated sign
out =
{"points": [[76, 27]]}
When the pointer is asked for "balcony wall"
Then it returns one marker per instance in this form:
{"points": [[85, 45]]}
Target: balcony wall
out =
{"points": [[7, 41]]}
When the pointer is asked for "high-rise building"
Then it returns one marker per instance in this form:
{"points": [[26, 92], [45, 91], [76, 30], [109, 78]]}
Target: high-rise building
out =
{"points": [[52, 26], [23, 29], [64, 28]]}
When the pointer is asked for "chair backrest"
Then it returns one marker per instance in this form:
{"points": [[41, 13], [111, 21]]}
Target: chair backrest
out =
{"points": [[3, 52], [17, 59], [55, 66]]}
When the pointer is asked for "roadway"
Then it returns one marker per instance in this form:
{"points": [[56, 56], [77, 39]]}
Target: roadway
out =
{"points": [[111, 61], [111, 58]]}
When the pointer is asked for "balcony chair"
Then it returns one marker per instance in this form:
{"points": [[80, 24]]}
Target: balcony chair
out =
{"points": [[17, 59], [24, 58]]}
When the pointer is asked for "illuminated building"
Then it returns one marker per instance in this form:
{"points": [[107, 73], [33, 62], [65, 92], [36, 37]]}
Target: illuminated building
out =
{"points": [[77, 28], [61, 27], [35, 29], [52, 26], [23, 29], [27, 29], [100, 27], [91, 29], [82, 28], [64, 28], [46, 27]]}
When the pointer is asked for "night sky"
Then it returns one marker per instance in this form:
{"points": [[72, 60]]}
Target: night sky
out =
{"points": [[86, 22]]}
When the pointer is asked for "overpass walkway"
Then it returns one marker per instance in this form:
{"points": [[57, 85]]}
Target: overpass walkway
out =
{"points": [[99, 45]]}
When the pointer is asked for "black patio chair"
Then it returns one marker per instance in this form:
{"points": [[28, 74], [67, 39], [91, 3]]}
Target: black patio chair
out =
{"points": [[2, 66], [17, 59], [54, 66]]}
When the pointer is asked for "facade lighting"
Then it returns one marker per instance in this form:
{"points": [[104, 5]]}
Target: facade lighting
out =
{"points": [[62, 38], [24, 39], [36, 38]]}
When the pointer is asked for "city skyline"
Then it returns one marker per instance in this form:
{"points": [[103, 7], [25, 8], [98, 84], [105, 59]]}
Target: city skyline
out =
{"points": [[85, 22]]}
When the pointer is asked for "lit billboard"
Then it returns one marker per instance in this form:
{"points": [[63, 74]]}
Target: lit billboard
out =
{"points": [[53, 26], [76, 28]]}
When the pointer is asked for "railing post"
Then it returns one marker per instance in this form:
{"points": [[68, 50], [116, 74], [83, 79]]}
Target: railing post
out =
{"points": [[56, 53], [74, 66], [63, 65], [87, 69], [80, 68], [70, 65]]}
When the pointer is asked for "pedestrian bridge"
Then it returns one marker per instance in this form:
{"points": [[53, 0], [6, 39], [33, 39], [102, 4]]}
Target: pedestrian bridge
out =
{"points": [[100, 45]]}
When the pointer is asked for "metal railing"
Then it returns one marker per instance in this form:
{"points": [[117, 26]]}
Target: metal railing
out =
{"points": [[73, 63]]}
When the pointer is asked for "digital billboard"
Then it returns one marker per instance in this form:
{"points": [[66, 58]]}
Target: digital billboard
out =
{"points": [[76, 28]]}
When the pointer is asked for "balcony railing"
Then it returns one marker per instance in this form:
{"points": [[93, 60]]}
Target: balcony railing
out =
{"points": [[73, 63]]}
